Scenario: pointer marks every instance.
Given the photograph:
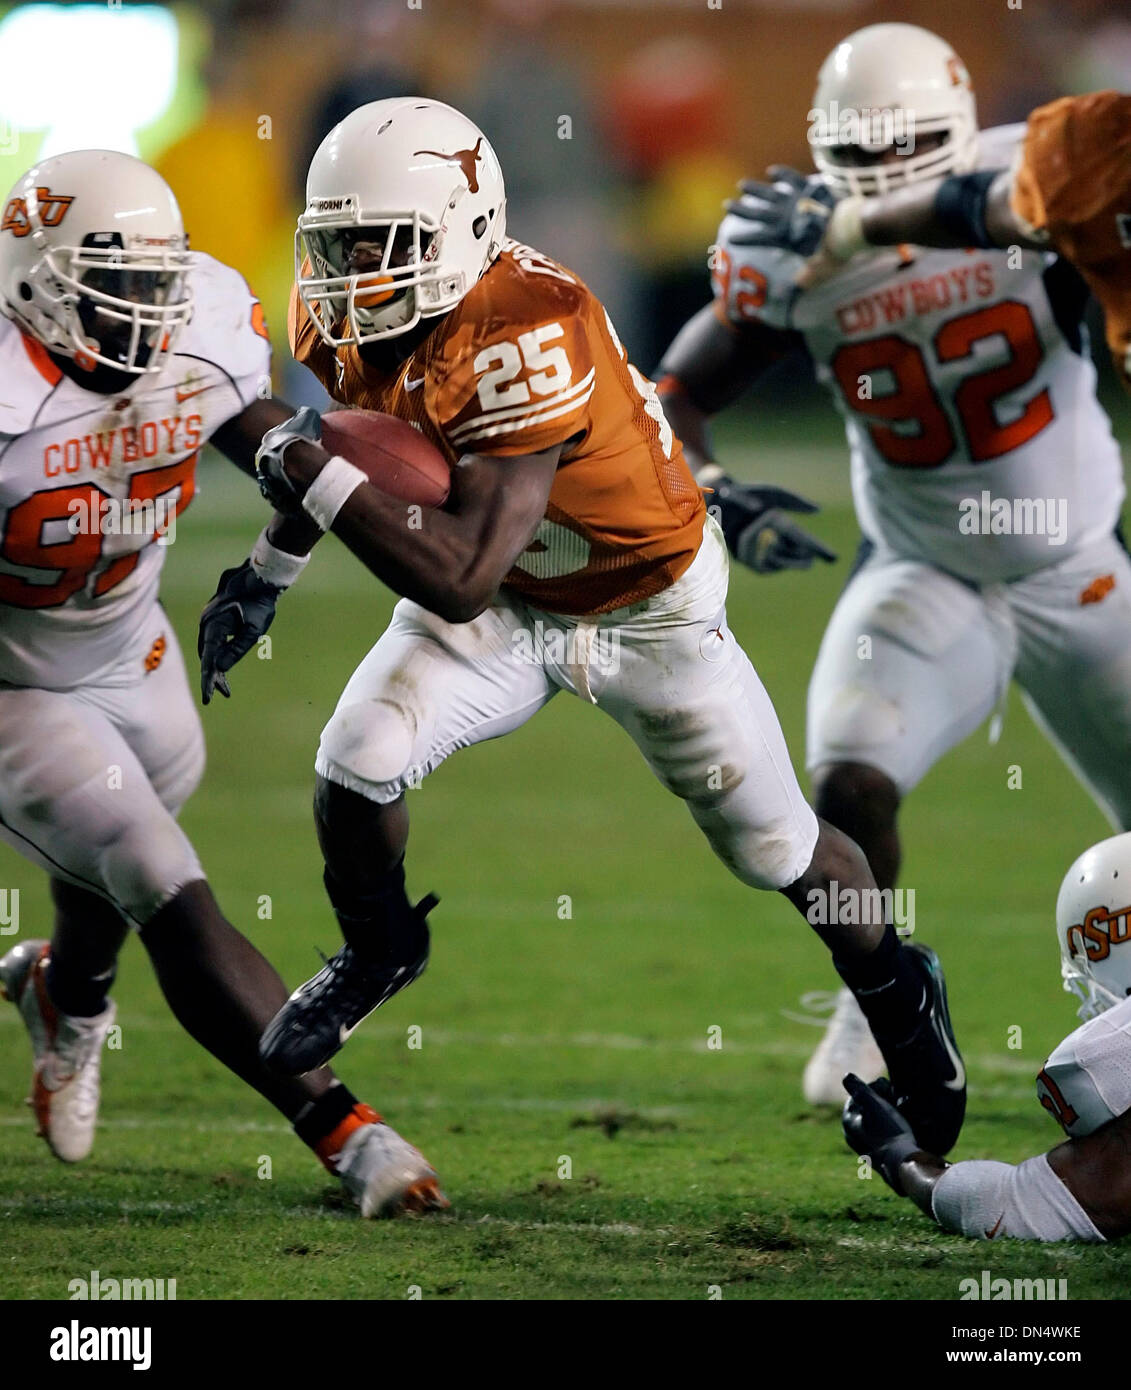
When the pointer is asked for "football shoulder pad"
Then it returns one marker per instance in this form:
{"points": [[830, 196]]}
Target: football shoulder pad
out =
{"points": [[516, 363], [227, 326], [1087, 1080], [29, 378], [753, 284]]}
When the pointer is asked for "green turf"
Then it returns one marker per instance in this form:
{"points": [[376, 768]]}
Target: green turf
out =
{"points": [[546, 1039]]}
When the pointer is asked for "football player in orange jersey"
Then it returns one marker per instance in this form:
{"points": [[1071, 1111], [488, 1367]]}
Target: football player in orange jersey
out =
{"points": [[574, 553], [1068, 191]]}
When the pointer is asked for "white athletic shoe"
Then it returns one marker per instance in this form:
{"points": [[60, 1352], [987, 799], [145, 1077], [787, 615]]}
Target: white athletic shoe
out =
{"points": [[847, 1046], [386, 1176], [68, 1054]]}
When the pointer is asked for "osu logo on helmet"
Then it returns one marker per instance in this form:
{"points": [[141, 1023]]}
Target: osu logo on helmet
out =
{"points": [[1099, 932], [52, 209]]}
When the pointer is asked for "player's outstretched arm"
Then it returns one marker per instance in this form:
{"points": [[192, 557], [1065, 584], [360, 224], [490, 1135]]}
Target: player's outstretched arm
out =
{"points": [[960, 211], [956, 212], [1080, 1191]]}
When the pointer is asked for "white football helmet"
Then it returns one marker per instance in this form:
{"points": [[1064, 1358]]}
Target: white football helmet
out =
{"points": [[425, 182], [1093, 926], [889, 85], [94, 260]]}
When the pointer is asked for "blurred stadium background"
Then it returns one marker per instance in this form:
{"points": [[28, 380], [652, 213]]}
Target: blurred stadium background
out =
{"points": [[621, 124], [543, 1037]]}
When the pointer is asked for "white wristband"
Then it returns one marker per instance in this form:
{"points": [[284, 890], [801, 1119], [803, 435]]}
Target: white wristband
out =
{"points": [[844, 236], [275, 566], [329, 492]]}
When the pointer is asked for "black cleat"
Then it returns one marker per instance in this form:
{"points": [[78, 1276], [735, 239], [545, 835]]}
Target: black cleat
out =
{"points": [[927, 1073], [320, 1015]]}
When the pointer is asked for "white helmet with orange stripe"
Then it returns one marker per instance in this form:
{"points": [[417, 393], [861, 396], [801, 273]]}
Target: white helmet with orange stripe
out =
{"points": [[894, 105], [405, 210], [94, 260], [1093, 925]]}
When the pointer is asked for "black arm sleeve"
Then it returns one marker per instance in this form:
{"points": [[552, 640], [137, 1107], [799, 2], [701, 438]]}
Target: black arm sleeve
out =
{"points": [[960, 206]]}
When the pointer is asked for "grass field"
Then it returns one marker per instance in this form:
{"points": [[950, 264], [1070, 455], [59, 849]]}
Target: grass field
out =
{"points": [[545, 1039]]}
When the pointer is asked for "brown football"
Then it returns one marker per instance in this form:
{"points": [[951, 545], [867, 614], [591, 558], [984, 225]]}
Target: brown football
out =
{"points": [[392, 454]]}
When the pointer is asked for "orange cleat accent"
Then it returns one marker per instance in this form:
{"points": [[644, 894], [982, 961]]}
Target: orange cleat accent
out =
{"points": [[329, 1149], [423, 1196], [65, 1082]]}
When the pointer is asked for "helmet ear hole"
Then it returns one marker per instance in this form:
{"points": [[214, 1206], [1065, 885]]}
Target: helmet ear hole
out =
{"points": [[25, 290], [479, 226]]}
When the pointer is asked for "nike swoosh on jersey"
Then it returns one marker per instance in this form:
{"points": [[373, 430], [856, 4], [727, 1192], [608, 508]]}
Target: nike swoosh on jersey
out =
{"points": [[412, 385], [994, 1228], [183, 396]]}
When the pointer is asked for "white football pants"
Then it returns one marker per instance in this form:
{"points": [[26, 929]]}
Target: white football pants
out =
{"points": [[913, 660], [668, 670], [92, 778]]}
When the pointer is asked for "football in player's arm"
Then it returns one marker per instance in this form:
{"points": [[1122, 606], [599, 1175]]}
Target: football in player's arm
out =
{"points": [[1069, 191], [1080, 1190], [452, 567]]}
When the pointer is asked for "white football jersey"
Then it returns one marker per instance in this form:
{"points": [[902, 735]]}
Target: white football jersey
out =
{"points": [[964, 380], [1087, 1080], [90, 484]]}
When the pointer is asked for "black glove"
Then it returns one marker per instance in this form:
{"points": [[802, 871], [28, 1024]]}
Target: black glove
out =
{"points": [[234, 619], [757, 532], [791, 212], [873, 1126]]}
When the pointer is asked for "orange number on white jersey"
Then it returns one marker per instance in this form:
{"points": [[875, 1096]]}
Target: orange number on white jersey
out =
{"points": [[73, 557], [1051, 1097]]}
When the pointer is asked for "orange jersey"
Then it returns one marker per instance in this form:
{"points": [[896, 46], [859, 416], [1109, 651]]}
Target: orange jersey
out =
{"points": [[1074, 182], [529, 359]]}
